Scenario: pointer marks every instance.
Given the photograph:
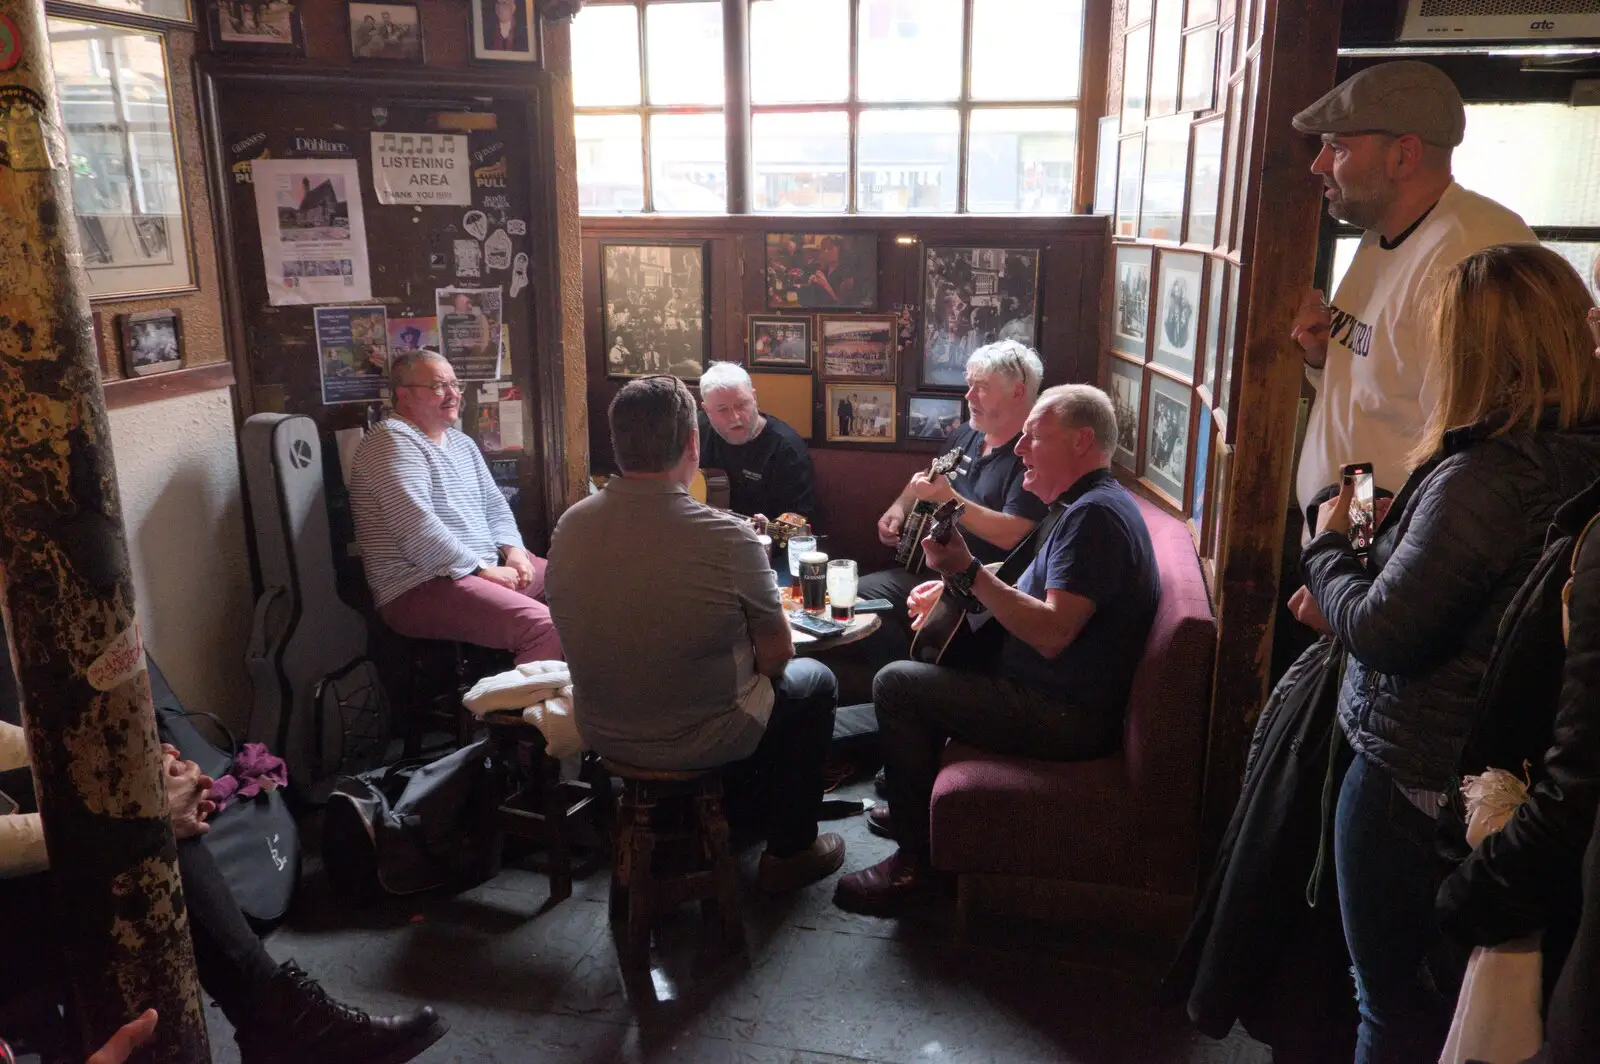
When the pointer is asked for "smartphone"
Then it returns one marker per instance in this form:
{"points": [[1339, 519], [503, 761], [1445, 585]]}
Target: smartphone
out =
{"points": [[1359, 476], [820, 627], [873, 605]]}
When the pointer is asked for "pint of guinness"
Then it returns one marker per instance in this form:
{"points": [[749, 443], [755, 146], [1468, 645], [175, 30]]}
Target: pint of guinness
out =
{"points": [[814, 581]]}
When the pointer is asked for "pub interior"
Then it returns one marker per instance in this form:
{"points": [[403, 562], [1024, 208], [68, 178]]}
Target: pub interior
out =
{"points": [[284, 283]]}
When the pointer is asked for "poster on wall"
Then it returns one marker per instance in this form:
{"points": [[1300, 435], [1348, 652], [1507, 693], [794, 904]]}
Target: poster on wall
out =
{"points": [[421, 169], [469, 331], [413, 334], [313, 235], [352, 353]]}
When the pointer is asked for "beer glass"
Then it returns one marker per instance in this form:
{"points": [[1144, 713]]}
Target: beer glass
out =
{"points": [[842, 589], [814, 581], [798, 545]]}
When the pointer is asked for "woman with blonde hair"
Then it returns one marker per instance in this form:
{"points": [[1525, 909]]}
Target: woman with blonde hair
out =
{"points": [[1514, 432]]}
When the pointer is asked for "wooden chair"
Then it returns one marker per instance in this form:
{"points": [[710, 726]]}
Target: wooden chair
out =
{"points": [[671, 847]]}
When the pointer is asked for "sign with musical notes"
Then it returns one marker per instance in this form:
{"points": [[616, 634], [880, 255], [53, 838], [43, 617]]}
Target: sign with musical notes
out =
{"points": [[421, 169]]}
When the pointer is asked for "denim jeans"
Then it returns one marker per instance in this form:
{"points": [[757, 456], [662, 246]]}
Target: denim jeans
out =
{"points": [[1383, 854], [780, 785]]}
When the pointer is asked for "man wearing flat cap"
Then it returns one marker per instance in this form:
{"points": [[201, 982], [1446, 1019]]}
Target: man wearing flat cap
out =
{"points": [[1387, 134]]}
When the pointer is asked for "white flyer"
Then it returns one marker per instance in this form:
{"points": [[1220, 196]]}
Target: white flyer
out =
{"points": [[421, 169], [313, 235]]}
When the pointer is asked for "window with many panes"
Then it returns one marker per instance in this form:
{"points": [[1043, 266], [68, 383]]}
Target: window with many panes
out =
{"points": [[857, 106]]}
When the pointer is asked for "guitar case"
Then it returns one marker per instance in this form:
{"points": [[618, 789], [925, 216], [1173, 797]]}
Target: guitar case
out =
{"points": [[303, 633]]}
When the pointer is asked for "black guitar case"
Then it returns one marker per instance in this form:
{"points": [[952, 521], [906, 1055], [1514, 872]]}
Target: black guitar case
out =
{"points": [[306, 643]]}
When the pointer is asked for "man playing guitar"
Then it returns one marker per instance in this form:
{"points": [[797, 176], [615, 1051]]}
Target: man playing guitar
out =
{"points": [[1073, 630], [1002, 382]]}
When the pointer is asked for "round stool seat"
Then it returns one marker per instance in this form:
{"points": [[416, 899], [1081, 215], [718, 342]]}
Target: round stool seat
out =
{"points": [[633, 772]]}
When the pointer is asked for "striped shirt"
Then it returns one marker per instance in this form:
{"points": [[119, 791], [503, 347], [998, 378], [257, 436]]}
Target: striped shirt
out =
{"points": [[424, 510]]}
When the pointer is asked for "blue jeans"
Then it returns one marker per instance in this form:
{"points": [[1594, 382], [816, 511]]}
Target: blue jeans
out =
{"points": [[1383, 854]]}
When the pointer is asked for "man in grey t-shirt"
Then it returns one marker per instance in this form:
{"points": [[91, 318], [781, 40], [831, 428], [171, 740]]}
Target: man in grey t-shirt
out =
{"points": [[681, 656]]}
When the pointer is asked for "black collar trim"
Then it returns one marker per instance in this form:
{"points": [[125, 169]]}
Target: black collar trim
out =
{"points": [[1412, 228]]}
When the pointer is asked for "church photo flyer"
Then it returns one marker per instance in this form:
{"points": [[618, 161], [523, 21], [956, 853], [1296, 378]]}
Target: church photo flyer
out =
{"points": [[313, 235]]}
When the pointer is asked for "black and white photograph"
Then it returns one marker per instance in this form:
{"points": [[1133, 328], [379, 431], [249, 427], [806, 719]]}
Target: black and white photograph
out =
{"points": [[1178, 312], [390, 31], [654, 317], [858, 348], [1166, 442], [503, 31], [822, 271], [1105, 166], [1205, 180], [1166, 177], [932, 417], [257, 27], [1124, 381], [972, 297], [1130, 301], [152, 342], [855, 414], [780, 343], [1130, 178]]}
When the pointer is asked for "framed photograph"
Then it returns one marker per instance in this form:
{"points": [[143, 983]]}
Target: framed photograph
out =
{"points": [[1135, 79], [1166, 53], [1202, 457], [1178, 312], [854, 414], [1166, 177], [822, 271], [152, 342], [391, 31], [1208, 371], [973, 296], [653, 309], [782, 344], [165, 10], [127, 193], [1105, 166], [1130, 176], [249, 27], [1205, 180], [1124, 382], [1166, 438], [933, 417], [1199, 83], [858, 348], [503, 31], [1130, 302]]}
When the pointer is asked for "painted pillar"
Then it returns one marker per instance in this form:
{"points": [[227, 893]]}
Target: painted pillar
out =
{"points": [[68, 594]]}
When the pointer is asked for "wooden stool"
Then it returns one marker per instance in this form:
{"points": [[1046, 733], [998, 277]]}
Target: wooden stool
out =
{"points": [[530, 800], [646, 832]]}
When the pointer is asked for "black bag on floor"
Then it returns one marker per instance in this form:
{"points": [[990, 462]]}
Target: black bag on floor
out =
{"points": [[411, 827]]}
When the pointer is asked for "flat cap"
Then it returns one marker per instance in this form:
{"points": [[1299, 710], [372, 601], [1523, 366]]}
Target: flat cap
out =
{"points": [[1395, 98]]}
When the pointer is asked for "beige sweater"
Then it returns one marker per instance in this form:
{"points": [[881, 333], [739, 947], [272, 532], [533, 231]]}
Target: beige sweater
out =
{"points": [[21, 834]]}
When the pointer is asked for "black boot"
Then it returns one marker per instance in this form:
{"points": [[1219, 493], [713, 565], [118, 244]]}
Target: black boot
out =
{"points": [[298, 1023]]}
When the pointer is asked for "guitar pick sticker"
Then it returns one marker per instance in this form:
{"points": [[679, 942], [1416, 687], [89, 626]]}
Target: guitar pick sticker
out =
{"points": [[517, 227], [497, 251], [519, 273], [476, 223], [10, 43]]}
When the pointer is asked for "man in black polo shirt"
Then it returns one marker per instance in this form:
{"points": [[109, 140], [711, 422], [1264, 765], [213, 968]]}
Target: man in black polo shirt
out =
{"points": [[768, 464], [1002, 382], [1073, 630]]}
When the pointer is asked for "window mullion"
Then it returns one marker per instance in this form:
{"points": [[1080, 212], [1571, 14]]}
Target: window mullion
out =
{"points": [[964, 106], [644, 115]]}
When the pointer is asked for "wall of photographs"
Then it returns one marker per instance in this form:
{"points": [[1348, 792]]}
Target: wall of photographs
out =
{"points": [[876, 317], [1175, 155]]}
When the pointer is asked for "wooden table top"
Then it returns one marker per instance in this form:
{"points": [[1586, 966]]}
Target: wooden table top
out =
{"points": [[860, 626]]}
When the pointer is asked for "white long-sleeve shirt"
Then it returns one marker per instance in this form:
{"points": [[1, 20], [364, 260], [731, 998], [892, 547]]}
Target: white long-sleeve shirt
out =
{"points": [[425, 509], [22, 849]]}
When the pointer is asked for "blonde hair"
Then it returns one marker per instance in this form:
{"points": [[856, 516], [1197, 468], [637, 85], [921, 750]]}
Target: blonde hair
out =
{"points": [[1510, 337]]}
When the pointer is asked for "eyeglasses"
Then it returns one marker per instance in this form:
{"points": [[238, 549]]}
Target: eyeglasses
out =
{"points": [[439, 388]]}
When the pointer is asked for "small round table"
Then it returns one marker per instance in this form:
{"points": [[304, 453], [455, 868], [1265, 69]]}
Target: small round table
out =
{"points": [[861, 625]]}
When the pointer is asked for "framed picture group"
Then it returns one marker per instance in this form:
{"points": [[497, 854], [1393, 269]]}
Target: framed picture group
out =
{"points": [[501, 31]]}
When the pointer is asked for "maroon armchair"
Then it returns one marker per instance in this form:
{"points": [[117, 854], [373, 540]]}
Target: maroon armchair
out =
{"points": [[1117, 837]]}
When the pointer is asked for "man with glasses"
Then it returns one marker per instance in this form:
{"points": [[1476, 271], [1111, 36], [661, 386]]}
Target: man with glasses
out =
{"points": [[441, 549]]}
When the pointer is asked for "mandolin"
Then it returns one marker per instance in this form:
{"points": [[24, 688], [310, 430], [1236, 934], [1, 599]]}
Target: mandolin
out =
{"points": [[909, 553]]}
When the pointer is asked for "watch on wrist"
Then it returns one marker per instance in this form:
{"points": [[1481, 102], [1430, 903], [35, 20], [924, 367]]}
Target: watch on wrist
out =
{"points": [[961, 582]]}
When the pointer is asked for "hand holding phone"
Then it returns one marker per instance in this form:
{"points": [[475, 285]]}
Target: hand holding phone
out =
{"points": [[1362, 522]]}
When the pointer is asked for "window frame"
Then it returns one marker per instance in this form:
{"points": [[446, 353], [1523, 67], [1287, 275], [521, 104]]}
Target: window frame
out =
{"points": [[852, 107]]}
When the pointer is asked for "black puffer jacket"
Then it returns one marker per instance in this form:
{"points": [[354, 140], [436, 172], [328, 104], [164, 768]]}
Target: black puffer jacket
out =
{"points": [[1420, 622]]}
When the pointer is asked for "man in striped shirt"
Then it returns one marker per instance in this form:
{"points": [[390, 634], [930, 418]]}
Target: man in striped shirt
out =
{"points": [[441, 549]]}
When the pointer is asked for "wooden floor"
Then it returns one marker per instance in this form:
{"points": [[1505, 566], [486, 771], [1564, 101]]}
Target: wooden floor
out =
{"points": [[521, 984]]}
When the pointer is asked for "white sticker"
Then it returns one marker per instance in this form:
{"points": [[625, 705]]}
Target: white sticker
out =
{"points": [[120, 661], [468, 257], [517, 227], [519, 273], [497, 250], [476, 223]]}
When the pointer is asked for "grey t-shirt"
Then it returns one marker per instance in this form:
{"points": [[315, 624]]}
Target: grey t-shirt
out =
{"points": [[655, 597]]}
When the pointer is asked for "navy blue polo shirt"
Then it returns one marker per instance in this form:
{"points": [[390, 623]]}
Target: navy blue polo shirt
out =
{"points": [[993, 481], [1100, 549]]}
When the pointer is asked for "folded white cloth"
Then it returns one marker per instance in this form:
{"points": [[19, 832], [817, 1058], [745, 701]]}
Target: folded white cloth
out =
{"points": [[542, 690]]}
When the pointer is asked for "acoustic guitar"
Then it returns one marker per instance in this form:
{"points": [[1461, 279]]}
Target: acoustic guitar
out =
{"points": [[908, 554]]}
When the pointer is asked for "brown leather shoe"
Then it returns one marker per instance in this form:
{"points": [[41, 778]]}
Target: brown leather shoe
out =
{"points": [[880, 822], [888, 887], [779, 875]]}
